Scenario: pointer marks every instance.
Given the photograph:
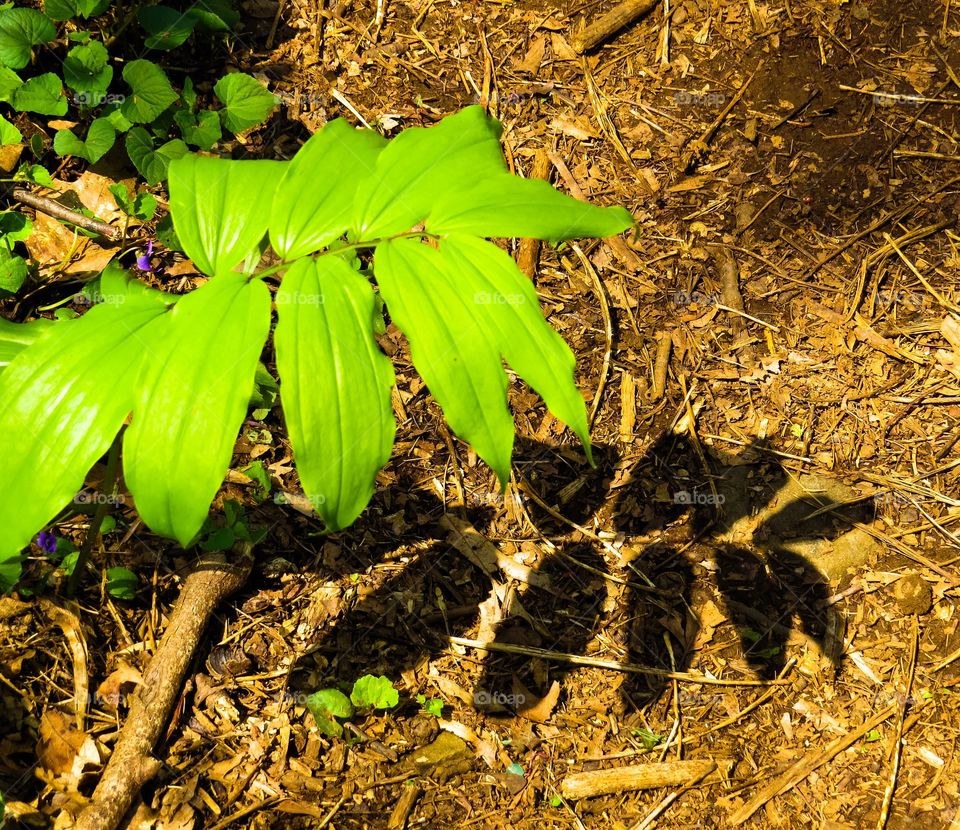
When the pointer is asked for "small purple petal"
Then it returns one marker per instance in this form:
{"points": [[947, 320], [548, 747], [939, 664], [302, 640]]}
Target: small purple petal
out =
{"points": [[143, 261], [47, 542]]}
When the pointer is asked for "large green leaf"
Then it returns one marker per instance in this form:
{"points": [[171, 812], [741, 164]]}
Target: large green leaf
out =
{"points": [[15, 337], [314, 202], [42, 94], [246, 101], [191, 399], [151, 92], [9, 83], [20, 31], [420, 165], [449, 345], [334, 384], [221, 208], [507, 205], [168, 27], [505, 306], [62, 402]]}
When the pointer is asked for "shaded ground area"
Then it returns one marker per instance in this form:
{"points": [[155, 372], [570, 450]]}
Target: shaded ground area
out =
{"points": [[764, 556]]}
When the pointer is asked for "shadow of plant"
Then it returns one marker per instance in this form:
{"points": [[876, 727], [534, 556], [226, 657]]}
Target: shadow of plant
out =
{"points": [[581, 597]]}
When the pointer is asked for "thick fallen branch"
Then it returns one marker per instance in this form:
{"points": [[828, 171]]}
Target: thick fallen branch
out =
{"points": [[132, 765]]}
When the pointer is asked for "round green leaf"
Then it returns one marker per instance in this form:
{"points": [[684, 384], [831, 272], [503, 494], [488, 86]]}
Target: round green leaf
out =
{"points": [[121, 583], [152, 162], [326, 706], [371, 692], [100, 138], [42, 94], [202, 130], [20, 31], [9, 82], [86, 72], [246, 101], [152, 92]]}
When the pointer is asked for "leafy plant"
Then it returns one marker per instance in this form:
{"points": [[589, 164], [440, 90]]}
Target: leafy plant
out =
{"points": [[414, 209], [145, 108], [432, 706], [330, 706]]}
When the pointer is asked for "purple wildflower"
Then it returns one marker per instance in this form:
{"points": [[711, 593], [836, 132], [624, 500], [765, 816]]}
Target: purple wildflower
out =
{"points": [[143, 261], [46, 541]]}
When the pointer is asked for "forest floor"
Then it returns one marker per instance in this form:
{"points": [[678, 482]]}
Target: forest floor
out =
{"points": [[764, 559]]}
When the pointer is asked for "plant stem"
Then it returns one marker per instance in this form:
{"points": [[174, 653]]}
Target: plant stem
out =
{"points": [[93, 531]]}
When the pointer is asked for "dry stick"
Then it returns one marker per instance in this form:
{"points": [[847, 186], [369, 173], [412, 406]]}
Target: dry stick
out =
{"points": [[660, 366], [594, 662], [131, 766], [640, 777], [613, 21], [898, 732], [697, 147], [607, 331], [794, 774], [58, 211], [661, 808], [528, 252]]}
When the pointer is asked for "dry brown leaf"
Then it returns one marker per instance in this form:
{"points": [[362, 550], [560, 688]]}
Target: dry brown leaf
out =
{"points": [[10, 156], [539, 710], [534, 57], [120, 680], [63, 751]]}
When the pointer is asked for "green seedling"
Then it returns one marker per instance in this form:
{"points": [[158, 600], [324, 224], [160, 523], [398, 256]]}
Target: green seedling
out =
{"points": [[330, 706], [432, 706]]}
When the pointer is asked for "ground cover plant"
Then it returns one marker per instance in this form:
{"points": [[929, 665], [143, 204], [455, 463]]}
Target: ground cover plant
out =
{"points": [[183, 367]]}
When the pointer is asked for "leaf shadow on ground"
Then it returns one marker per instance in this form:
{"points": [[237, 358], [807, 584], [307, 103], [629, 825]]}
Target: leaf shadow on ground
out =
{"points": [[581, 598]]}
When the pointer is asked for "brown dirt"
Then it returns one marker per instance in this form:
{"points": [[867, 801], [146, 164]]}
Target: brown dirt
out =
{"points": [[846, 133]]}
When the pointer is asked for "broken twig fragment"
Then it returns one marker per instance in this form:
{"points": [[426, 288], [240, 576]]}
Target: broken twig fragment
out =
{"points": [[641, 777], [613, 21]]}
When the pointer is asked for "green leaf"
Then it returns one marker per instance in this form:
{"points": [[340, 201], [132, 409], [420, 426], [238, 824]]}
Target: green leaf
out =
{"points": [[221, 207], [142, 207], [420, 165], [202, 130], [150, 161], [85, 70], [112, 113], [214, 15], [506, 309], [265, 389], [42, 94], [60, 9], [326, 706], [334, 385], [35, 174], [62, 402], [13, 270], [167, 235], [189, 94], [15, 226], [121, 583], [92, 8], [151, 94], [8, 133], [20, 31], [9, 82], [314, 202], [100, 138], [509, 206], [168, 28], [449, 346], [371, 692], [246, 101], [191, 400]]}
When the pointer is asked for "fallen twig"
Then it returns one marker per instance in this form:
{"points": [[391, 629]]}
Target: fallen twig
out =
{"points": [[640, 777], [613, 21], [131, 765], [58, 211]]}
